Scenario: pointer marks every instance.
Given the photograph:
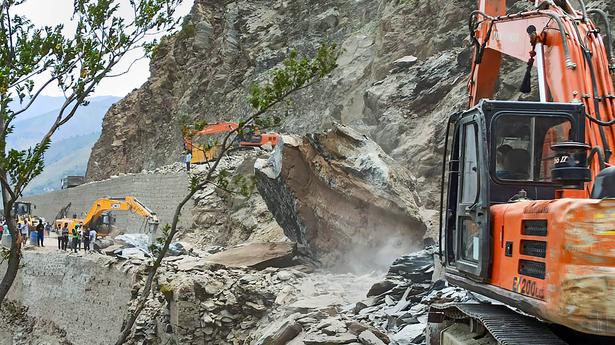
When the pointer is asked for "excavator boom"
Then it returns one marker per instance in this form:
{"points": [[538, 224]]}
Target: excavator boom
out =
{"points": [[118, 204], [574, 62]]}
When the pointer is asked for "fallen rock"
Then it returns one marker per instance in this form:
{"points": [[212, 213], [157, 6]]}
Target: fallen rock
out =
{"points": [[369, 338], [342, 199], [256, 255], [417, 267], [380, 288], [320, 339], [111, 250], [280, 335], [405, 61], [103, 243], [410, 334], [188, 263]]}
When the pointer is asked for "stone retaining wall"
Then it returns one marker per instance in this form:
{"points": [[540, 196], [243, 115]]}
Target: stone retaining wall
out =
{"points": [[159, 192], [80, 295]]}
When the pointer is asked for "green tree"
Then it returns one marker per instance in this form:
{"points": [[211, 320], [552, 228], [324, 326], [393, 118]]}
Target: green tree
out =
{"points": [[75, 62], [296, 73]]}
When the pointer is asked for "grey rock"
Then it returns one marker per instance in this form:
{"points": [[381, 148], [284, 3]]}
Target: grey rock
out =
{"points": [[405, 61], [368, 338], [409, 334], [380, 288], [319, 339], [281, 334], [284, 275]]}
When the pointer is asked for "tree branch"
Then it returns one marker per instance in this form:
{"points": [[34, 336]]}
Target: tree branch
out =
{"points": [[226, 145], [10, 38], [128, 69], [34, 97]]}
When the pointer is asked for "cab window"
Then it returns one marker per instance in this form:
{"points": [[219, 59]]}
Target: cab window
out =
{"points": [[469, 184], [523, 146]]}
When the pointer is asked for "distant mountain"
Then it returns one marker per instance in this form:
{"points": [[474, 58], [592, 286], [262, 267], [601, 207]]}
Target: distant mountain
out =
{"points": [[42, 105], [70, 146], [65, 157], [29, 128]]}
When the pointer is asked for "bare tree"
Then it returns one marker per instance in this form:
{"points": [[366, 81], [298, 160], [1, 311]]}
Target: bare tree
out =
{"points": [[295, 74]]}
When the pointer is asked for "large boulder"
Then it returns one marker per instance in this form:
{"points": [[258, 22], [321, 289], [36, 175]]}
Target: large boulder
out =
{"points": [[342, 199]]}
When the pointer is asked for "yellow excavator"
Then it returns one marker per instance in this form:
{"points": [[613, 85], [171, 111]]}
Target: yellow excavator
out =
{"points": [[100, 219], [23, 213]]}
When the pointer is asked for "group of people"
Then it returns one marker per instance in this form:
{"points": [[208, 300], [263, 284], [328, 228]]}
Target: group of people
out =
{"points": [[68, 239], [25, 231], [73, 238]]}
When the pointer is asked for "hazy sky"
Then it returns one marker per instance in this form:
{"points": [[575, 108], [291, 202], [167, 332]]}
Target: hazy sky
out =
{"points": [[53, 12]]}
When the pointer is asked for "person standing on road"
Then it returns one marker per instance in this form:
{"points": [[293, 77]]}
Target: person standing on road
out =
{"points": [[76, 244], [188, 160], [3, 229], [60, 238], [23, 230], [40, 229], [92, 235], [64, 236], [86, 240]]}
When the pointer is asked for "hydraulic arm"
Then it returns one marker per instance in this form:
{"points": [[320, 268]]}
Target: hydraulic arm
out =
{"points": [[128, 203], [574, 62], [97, 216]]}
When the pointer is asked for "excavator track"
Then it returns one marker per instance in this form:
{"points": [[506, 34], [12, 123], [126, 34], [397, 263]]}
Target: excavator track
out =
{"points": [[505, 326]]}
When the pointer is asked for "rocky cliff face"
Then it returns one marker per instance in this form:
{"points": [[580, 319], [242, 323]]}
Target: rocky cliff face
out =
{"points": [[402, 71], [203, 72]]}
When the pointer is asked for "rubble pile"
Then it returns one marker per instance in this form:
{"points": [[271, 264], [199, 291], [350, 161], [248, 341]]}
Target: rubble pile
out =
{"points": [[394, 312], [220, 218], [399, 304], [197, 304]]}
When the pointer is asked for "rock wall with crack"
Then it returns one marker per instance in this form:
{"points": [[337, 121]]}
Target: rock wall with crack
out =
{"points": [[220, 218], [342, 199]]}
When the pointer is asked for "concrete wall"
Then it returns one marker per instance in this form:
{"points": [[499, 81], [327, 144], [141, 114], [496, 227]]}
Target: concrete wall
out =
{"points": [[160, 192], [80, 295]]}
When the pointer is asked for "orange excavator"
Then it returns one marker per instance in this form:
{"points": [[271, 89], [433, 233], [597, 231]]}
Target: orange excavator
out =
{"points": [[210, 151], [100, 219], [528, 188]]}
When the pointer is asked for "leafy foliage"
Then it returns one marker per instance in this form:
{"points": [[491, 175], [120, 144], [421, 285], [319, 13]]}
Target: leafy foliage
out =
{"points": [[296, 73], [75, 63]]}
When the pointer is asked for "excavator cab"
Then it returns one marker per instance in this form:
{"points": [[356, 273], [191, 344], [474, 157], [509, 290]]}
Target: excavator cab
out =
{"points": [[22, 208], [499, 152], [104, 223]]}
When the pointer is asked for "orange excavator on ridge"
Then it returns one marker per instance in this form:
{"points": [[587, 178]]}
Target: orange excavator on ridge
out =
{"points": [[202, 153]]}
